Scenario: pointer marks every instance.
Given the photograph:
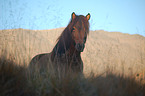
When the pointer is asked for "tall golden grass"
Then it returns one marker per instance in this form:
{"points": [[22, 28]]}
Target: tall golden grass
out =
{"points": [[18, 47], [16, 80]]}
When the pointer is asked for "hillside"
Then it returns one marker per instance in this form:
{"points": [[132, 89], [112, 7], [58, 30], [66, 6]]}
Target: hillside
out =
{"points": [[118, 52]]}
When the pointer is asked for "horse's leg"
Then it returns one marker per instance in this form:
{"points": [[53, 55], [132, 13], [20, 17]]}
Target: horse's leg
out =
{"points": [[80, 68], [80, 65]]}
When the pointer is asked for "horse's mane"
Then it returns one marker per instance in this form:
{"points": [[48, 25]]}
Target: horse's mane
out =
{"points": [[65, 39]]}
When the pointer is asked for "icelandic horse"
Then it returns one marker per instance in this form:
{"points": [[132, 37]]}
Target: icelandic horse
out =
{"points": [[70, 44]]}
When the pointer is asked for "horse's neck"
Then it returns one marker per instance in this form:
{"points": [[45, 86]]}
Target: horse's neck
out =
{"points": [[72, 51], [62, 51], [65, 46]]}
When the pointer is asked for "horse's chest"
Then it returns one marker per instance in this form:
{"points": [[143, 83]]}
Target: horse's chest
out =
{"points": [[73, 62]]}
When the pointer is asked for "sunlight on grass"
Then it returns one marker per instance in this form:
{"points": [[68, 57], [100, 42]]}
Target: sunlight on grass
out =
{"points": [[112, 65]]}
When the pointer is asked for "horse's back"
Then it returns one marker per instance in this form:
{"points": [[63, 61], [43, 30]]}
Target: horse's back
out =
{"points": [[39, 61], [36, 59]]}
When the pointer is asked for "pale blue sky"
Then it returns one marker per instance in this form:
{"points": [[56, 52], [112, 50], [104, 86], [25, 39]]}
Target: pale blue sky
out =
{"points": [[127, 16]]}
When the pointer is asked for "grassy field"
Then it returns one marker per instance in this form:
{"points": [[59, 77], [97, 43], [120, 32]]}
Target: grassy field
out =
{"points": [[16, 80], [114, 65]]}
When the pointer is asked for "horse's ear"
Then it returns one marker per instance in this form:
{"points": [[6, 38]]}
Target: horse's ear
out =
{"points": [[88, 16], [73, 15]]}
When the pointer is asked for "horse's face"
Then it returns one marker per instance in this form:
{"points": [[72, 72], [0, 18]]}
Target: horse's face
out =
{"points": [[80, 31]]}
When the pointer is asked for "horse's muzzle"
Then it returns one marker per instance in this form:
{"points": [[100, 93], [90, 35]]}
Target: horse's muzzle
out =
{"points": [[80, 47]]}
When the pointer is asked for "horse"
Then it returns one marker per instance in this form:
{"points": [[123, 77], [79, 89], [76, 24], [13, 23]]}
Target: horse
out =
{"points": [[70, 44]]}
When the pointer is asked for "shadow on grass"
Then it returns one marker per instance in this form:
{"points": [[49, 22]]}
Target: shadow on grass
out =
{"points": [[15, 80], [12, 78]]}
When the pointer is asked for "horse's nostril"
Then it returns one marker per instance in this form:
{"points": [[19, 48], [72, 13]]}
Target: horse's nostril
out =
{"points": [[80, 47]]}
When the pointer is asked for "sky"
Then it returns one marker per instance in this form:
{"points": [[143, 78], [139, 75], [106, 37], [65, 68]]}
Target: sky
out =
{"points": [[126, 16]]}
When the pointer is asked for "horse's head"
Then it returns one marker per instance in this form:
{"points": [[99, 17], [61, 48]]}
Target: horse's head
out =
{"points": [[79, 30], [73, 37]]}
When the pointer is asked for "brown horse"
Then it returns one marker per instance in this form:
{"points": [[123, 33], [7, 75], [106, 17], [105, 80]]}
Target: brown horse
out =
{"points": [[70, 44]]}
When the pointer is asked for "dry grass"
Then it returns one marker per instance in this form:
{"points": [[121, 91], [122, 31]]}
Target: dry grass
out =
{"points": [[16, 80], [113, 65], [12, 78], [122, 52]]}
